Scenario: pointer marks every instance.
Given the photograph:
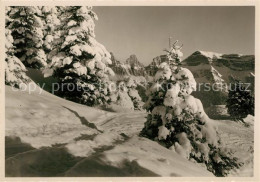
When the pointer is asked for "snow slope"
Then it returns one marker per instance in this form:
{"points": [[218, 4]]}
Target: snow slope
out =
{"points": [[45, 121], [50, 136]]}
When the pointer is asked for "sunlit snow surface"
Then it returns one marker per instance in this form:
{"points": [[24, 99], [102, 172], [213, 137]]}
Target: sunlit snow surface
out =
{"points": [[107, 141]]}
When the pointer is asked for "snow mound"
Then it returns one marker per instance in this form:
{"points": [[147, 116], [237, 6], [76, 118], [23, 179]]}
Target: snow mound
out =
{"points": [[249, 119], [42, 119], [154, 157]]}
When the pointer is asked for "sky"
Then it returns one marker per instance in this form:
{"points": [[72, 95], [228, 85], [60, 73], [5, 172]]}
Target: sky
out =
{"points": [[145, 30]]}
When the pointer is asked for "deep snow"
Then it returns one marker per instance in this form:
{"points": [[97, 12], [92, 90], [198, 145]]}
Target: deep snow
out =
{"points": [[48, 125]]}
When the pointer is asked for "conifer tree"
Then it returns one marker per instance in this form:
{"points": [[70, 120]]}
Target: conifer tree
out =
{"points": [[14, 69], [240, 102], [27, 32], [80, 62], [51, 24], [177, 120]]}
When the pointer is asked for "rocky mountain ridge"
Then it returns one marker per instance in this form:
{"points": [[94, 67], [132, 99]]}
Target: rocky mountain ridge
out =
{"points": [[215, 68], [206, 66], [131, 66]]}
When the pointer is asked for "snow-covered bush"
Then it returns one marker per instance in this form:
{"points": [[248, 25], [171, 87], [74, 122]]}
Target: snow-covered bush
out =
{"points": [[79, 62], [14, 68], [125, 94], [177, 120], [27, 31], [240, 102], [120, 97], [133, 94]]}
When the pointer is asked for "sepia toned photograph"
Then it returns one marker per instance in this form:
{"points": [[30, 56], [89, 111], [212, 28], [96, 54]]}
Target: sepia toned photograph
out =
{"points": [[129, 91]]}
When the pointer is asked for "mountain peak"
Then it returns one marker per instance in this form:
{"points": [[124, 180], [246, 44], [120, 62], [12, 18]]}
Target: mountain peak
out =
{"points": [[133, 61], [132, 66], [208, 54]]}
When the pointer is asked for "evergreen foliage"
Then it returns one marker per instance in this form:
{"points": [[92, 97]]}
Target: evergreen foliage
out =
{"points": [[27, 31], [240, 102], [14, 69], [79, 61], [177, 120]]}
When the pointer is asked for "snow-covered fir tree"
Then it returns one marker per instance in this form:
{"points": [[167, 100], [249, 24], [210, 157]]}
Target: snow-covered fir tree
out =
{"points": [[27, 31], [55, 31], [178, 121], [14, 69], [240, 101], [51, 24], [80, 62]]}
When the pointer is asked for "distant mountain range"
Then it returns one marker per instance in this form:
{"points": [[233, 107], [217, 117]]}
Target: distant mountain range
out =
{"points": [[207, 67]]}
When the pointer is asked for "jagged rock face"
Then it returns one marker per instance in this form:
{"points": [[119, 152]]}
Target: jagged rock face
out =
{"points": [[117, 66], [131, 67], [135, 67], [133, 61]]}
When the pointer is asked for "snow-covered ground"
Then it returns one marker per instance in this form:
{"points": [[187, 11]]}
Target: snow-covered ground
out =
{"points": [[240, 140], [57, 137]]}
